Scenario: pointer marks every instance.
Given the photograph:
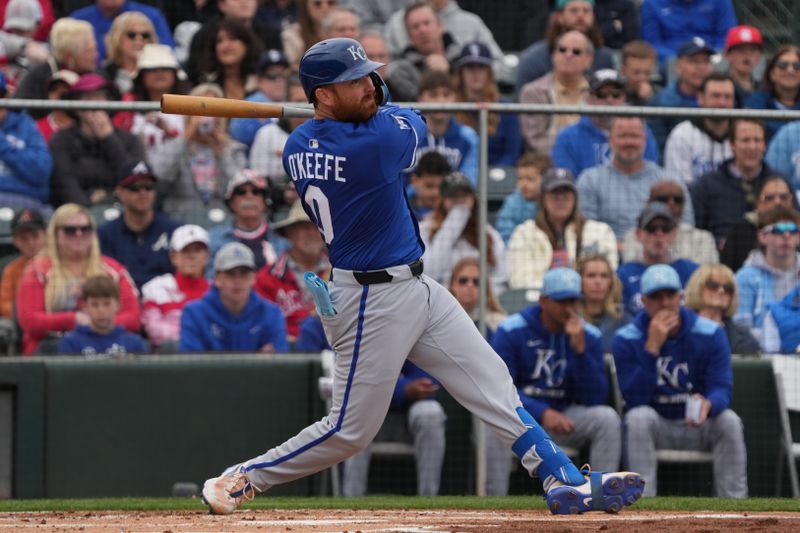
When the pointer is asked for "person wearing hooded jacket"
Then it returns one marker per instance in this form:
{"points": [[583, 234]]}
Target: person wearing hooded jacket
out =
{"points": [[556, 361]]}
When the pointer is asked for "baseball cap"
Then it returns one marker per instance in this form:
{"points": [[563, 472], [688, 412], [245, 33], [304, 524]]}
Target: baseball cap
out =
{"points": [[242, 177], [659, 278], [475, 53], [655, 210], [132, 171], [695, 45], [187, 234], [68, 77], [553, 178], [603, 77], [155, 56], [296, 215], [234, 255], [561, 283], [560, 4], [22, 15], [455, 182], [743, 35], [272, 57], [26, 219], [88, 83]]}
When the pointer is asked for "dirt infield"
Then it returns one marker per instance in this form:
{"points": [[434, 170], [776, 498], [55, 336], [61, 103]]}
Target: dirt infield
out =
{"points": [[408, 521]]}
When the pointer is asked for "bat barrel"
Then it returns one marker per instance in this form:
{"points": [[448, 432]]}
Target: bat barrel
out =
{"points": [[178, 104]]}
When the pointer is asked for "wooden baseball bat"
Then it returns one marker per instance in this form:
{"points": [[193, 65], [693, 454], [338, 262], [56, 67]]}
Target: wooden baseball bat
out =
{"points": [[178, 104]]}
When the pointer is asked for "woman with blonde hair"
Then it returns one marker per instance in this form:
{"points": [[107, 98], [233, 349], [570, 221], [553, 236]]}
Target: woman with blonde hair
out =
{"points": [[128, 35], [48, 298], [194, 168], [712, 292], [602, 297], [465, 285]]}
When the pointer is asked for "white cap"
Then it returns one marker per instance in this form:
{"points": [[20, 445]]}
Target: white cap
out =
{"points": [[22, 15], [243, 177], [234, 255], [185, 235], [155, 56]]}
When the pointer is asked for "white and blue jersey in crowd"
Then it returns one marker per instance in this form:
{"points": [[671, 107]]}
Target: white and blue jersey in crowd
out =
{"points": [[630, 274], [697, 359], [85, 341], [208, 326], [349, 178], [584, 145], [459, 145], [783, 154], [547, 372]]}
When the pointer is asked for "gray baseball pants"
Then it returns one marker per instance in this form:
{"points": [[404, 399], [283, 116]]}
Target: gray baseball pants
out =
{"points": [[599, 426], [646, 431], [424, 423], [376, 328]]}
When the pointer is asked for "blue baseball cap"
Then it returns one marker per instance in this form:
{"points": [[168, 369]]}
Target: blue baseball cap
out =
{"points": [[660, 278], [562, 283], [696, 45]]}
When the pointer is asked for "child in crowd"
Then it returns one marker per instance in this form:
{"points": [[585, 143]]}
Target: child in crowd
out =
{"points": [[423, 191], [102, 335], [27, 234], [520, 205]]}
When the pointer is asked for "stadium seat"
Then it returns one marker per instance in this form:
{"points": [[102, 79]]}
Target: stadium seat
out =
{"points": [[515, 300]]}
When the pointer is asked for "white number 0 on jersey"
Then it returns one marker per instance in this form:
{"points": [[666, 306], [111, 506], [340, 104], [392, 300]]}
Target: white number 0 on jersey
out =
{"points": [[316, 200]]}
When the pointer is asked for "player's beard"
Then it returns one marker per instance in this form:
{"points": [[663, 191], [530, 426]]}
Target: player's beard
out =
{"points": [[362, 111]]}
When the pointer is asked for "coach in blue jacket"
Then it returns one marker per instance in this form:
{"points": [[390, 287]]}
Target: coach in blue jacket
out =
{"points": [[670, 360], [231, 316], [556, 362]]}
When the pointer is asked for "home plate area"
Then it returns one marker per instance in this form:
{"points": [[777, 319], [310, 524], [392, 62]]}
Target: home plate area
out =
{"points": [[405, 521]]}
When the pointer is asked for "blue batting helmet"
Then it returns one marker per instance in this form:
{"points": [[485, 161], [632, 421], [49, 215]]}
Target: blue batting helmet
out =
{"points": [[335, 61]]}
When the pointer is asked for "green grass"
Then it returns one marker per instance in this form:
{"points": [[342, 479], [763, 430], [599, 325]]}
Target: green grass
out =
{"points": [[668, 504]]}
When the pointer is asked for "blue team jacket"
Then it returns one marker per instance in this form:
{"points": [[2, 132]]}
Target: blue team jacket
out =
{"points": [[697, 359], [786, 314], [206, 325], [25, 161], [85, 341], [459, 145], [546, 370]]}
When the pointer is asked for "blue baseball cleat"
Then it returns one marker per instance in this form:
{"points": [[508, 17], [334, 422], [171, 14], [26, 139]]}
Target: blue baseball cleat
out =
{"points": [[603, 491]]}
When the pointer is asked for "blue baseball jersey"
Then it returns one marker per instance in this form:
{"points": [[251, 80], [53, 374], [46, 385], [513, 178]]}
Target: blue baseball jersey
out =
{"points": [[349, 178]]}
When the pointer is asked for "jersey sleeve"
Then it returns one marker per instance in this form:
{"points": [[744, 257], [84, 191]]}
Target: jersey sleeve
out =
{"points": [[400, 132]]}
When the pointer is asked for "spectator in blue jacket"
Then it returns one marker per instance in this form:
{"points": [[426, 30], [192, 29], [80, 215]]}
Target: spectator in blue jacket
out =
{"points": [[674, 371], [585, 144], [231, 316], [25, 161], [476, 83], [139, 239], [101, 15], [522, 204], [667, 24], [780, 86], [273, 73], [556, 362], [692, 66], [783, 153], [782, 325], [457, 142], [656, 232], [101, 336]]}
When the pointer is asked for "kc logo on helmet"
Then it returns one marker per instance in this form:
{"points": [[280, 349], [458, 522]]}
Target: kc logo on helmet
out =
{"points": [[357, 52]]}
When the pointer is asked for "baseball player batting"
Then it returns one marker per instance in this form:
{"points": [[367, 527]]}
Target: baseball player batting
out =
{"points": [[346, 165]]}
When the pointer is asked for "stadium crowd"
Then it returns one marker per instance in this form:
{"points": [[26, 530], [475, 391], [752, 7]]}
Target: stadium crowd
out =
{"points": [[653, 240]]}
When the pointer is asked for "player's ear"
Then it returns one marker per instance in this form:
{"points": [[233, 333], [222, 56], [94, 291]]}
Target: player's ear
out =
{"points": [[323, 95]]}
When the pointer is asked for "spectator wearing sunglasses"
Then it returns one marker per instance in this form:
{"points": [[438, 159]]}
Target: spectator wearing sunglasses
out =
{"points": [[49, 296], [247, 199], [690, 242], [101, 15], [780, 86], [782, 325], [656, 232], [129, 34], [721, 197], [771, 271], [139, 239], [743, 238], [712, 293], [465, 286], [585, 144]]}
